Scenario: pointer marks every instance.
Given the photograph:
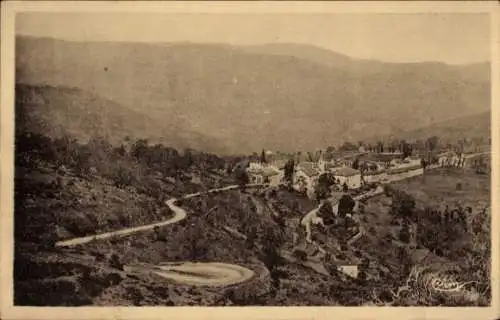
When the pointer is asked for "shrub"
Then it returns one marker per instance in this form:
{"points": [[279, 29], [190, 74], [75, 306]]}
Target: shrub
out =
{"points": [[372, 231], [362, 277], [403, 205], [404, 234], [122, 177], [388, 190], [114, 262], [300, 255]]}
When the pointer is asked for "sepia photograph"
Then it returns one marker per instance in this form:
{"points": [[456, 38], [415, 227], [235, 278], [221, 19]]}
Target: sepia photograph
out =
{"points": [[257, 159]]}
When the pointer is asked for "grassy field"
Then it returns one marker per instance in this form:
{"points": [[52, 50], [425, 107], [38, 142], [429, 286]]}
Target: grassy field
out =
{"points": [[441, 187]]}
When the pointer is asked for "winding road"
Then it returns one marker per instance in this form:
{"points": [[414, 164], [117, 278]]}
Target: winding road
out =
{"points": [[214, 274], [204, 273], [179, 214]]}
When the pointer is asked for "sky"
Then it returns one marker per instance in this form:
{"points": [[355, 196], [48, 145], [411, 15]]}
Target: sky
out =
{"points": [[459, 38]]}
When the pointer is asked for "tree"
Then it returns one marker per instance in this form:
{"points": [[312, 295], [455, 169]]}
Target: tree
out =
{"points": [[319, 154], [347, 146], [188, 158], [241, 177], [326, 213], [263, 156], [330, 150], [403, 204], [355, 163], [196, 244], [404, 233], [289, 171], [322, 190], [393, 146], [431, 145], [120, 151], [405, 149], [380, 147], [66, 151], [139, 149], [310, 156], [123, 177], [461, 144], [82, 161], [346, 205], [423, 163], [114, 262], [273, 241]]}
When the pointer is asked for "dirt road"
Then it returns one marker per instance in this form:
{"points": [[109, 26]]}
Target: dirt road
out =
{"points": [[179, 214], [212, 274]]}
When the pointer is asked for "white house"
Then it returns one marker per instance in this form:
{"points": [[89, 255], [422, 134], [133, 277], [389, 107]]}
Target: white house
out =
{"points": [[475, 160], [276, 179], [349, 176], [265, 174], [447, 159], [256, 165], [376, 176], [306, 176], [278, 164], [350, 270], [401, 174]]}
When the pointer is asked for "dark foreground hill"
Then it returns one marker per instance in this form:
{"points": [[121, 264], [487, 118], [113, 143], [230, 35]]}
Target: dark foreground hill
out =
{"points": [[228, 93]]}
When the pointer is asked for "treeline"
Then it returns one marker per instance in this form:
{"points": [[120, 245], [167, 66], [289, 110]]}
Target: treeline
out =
{"points": [[406, 147], [130, 164], [389, 146]]}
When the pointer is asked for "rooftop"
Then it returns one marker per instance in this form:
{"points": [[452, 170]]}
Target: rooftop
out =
{"points": [[383, 157], [345, 171], [309, 168], [447, 154], [280, 164], [266, 171]]}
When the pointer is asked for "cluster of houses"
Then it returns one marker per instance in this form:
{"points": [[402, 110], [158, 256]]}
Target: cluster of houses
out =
{"points": [[462, 160], [372, 168]]}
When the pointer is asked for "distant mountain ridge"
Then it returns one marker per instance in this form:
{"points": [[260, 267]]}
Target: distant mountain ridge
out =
{"points": [[243, 99], [477, 71]]}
